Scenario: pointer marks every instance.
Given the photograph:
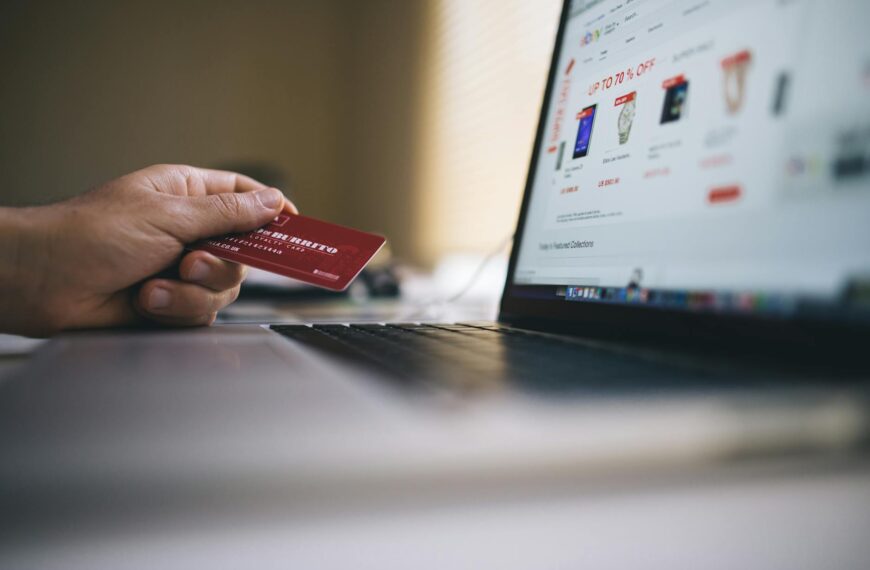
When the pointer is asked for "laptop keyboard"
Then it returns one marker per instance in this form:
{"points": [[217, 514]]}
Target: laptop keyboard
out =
{"points": [[475, 357]]}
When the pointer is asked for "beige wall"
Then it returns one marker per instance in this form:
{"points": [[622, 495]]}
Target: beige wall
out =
{"points": [[412, 118], [91, 90], [379, 132]]}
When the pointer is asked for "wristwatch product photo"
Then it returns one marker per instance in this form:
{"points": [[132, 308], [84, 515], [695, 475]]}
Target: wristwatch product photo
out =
{"points": [[735, 68], [626, 118]]}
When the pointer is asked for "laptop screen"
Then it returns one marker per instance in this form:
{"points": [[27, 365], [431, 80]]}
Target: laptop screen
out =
{"points": [[704, 155]]}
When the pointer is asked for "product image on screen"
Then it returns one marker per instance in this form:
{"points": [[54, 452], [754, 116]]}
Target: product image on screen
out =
{"points": [[730, 167], [780, 93], [676, 93], [626, 115], [735, 68], [584, 131]]}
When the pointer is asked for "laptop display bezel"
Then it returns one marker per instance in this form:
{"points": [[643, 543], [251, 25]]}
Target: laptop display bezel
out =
{"points": [[600, 319]]}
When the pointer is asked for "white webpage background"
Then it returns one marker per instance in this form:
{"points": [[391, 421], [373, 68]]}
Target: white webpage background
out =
{"points": [[790, 234]]}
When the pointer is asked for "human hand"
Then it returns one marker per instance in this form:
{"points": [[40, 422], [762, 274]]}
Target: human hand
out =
{"points": [[114, 256]]}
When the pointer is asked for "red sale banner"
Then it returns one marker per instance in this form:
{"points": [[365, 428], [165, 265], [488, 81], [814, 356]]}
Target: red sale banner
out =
{"points": [[736, 59], [585, 113], [621, 77], [570, 67], [673, 81], [556, 131], [625, 99]]}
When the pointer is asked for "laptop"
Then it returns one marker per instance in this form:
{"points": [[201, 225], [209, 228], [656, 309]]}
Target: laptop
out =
{"points": [[689, 282], [692, 182]]}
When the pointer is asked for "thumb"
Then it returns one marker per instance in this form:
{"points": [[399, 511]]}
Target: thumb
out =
{"points": [[228, 212]]}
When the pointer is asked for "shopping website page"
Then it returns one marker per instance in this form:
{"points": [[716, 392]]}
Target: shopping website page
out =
{"points": [[705, 154]]}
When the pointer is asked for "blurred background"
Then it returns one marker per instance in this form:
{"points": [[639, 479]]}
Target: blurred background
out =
{"points": [[411, 118]]}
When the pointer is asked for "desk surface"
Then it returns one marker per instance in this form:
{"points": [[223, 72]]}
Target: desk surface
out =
{"points": [[799, 513], [792, 518], [15, 351]]}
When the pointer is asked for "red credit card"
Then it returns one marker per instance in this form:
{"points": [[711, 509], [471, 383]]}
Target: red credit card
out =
{"points": [[313, 251]]}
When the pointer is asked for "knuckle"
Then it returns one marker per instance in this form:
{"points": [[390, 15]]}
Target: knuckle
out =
{"points": [[206, 303], [166, 166], [191, 302], [227, 205], [221, 300], [159, 169], [234, 294], [200, 320], [236, 274]]}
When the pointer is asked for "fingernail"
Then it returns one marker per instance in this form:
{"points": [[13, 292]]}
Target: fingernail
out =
{"points": [[270, 198], [198, 271], [158, 299]]}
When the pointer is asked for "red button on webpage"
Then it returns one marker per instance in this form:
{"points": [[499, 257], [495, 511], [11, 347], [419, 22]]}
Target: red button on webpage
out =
{"points": [[570, 67], [673, 81], [585, 113], [724, 194], [738, 58], [625, 99]]}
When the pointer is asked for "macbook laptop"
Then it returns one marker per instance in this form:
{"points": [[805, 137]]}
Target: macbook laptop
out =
{"points": [[700, 176], [689, 281]]}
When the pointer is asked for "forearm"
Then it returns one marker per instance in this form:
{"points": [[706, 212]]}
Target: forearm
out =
{"points": [[21, 250]]}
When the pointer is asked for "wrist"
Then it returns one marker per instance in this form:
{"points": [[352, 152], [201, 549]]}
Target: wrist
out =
{"points": [[24, 242]]}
